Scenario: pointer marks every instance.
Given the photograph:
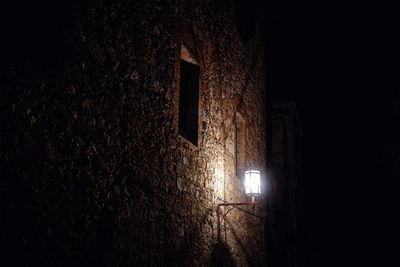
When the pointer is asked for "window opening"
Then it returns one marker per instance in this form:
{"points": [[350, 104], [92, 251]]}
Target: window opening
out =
{"points": [[189, 96]]}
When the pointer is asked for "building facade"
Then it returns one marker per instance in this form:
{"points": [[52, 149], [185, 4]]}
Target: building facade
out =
{"points": [[118, 143]]}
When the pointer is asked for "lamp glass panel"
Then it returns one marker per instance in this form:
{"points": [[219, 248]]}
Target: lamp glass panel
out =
{"points": [[252, 182]]}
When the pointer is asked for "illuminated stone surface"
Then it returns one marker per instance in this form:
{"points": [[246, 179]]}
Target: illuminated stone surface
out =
{"points": [[96, 172]]}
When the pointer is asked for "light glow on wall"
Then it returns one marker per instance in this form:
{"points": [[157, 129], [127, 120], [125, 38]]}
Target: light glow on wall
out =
{"points": [[252, 182], [219, 176]]}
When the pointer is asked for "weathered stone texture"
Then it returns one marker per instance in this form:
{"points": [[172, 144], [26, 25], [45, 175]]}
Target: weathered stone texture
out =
{"points": [[94, 169]]}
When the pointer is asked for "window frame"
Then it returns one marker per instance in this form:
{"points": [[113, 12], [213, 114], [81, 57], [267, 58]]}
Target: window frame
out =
{"points": [[190, 42], [240, 163], [188, 114]]}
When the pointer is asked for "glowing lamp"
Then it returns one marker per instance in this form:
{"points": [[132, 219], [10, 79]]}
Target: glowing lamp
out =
{"points": [[252, 182]]}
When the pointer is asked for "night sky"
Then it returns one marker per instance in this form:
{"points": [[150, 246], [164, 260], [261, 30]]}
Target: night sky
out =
{"points": [[338, 62]]}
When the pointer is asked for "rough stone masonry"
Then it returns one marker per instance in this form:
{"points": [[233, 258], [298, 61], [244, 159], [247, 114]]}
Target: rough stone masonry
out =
{"points": [[93, 169]]}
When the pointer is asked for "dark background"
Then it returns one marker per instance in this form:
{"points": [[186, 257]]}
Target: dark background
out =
{"points": [[338, 62]]}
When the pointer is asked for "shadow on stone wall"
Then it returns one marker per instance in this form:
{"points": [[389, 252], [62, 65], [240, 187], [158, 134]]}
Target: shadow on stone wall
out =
{"points": [[27, 242], [251, 261], [221, 256]]}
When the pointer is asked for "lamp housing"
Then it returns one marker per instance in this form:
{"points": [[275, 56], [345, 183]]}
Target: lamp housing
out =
{"points": [[252, 182]]}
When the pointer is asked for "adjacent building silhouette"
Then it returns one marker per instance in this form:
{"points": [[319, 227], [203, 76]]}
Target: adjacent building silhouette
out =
{"points": [[285, 199]]}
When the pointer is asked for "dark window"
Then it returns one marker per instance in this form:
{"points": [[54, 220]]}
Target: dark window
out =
{"points": [[189, 101]]}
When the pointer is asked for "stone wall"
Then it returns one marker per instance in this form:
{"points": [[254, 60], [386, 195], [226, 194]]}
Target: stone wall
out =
{"points": [[93, 168]]}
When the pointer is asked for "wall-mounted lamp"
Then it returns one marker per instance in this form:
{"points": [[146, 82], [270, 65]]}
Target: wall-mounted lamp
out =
{"points": [[252, 184]]}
